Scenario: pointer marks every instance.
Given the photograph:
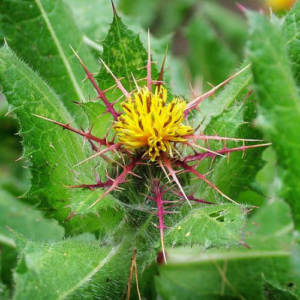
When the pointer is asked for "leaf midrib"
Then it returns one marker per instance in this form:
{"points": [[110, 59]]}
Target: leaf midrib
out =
{"points": [[124, 56], [46, 97], [209, 219], [207, 258], [7, 241], [60, 50], [87, 278]]}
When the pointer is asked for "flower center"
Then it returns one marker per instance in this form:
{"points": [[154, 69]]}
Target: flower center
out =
{"points": [[148, 121]]}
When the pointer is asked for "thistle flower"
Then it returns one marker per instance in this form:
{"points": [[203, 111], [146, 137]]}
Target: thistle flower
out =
{"points": [[280, 5], [153, 130], [148, 121]]}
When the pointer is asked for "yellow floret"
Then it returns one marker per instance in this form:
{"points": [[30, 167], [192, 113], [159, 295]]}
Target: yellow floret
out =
{"points": [[280, 5], [148, 121]]}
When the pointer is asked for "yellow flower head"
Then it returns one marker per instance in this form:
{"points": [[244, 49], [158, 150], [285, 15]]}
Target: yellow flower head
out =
{"points": [[149, 121], [280, 5]]}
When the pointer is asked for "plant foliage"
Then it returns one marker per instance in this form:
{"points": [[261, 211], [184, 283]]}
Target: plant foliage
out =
{"points": [[120, 225]]}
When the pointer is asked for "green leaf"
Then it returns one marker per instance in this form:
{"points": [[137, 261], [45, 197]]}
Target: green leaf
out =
{"points": [[97, 118], [125, 55], [211, 226], [279, 103], [274, 293], [3, 106], [24, 219], [234, 92], [34, 29], [230, 114], [95, 29], [76, 269], [14, 176], [8, 261], [4, 292], [292, 39], [102, 219], [209, 57], [51, 151], [236, 173], [236, 273]]}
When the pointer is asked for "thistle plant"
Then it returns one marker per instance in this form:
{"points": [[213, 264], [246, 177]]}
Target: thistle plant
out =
{"points": [[143, 184], [153, 131]]}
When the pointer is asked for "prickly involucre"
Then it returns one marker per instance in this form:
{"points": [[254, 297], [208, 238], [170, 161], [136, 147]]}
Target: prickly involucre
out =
{"points": [[150, 130]]}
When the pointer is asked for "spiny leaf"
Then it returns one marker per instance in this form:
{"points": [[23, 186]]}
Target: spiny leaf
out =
{"points": [[26, 220], [4, 292], [77, 268], [95, 29], [230, 114], [103, 218], [125, 55], [292, 39], [14, 177], [52, 152], [34, 29], [211, 226], [100, 121], [279, 102], [235, 92], [236, 273], [274, 293], [236, 172]]}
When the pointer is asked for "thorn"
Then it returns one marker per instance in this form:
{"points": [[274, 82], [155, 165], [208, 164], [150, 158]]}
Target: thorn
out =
{"points": [[161, 73], [164, 170], [118, 82], [241, 7], [120, 179], [20, 158], [205, 149], [202, 177], [133, 174], [207, 173], [113, 7], [135, 82], [7, 114], [72, 215], [68, 127], [173, 174], [194, 103], [245, 245], [100, 93], [217, 137], [110, 148], [149, 67], [200, 156]]}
